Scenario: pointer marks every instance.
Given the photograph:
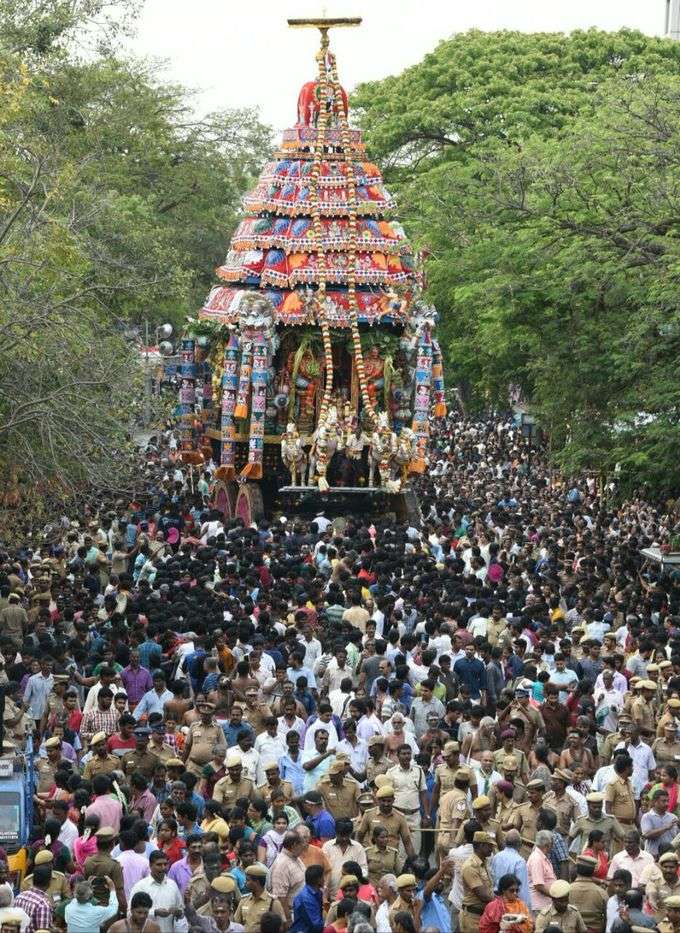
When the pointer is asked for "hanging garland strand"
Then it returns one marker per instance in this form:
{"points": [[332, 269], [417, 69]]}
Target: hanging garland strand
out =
{"points": [[348, 155], [318, 228]]}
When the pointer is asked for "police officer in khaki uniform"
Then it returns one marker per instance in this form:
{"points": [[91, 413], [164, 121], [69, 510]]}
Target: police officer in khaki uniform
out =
{"points": [[666, 750], [141, 759], [561, 913], [46, 768], [410, 792], [671, 920], [559, 802], [202, 738], [385, 815], [221, 889], [619, 799], [658, 890], [481, 811], [510, 750], [587, 896], [101, 864], [453, 810], [340, 794], [525, 816], [59, 888], [406, 899], [613, 739], [477, 883], [445, 775], [509, 768], [595, 819], [274, 782], [670, 713], [257, 901], [642, 710], [382, 859], [233, 785], [100, 762], [378, 762]]}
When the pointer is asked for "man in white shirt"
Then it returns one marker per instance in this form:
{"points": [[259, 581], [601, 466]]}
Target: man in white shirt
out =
{"points": [[642, 755], [167, 903]]}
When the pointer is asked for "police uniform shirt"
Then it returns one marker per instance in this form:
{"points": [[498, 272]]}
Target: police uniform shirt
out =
{"points": [[227, 793], [381, 862], [591, 902], [251, 908], [341, 801], [570, 921], [395, 824]]}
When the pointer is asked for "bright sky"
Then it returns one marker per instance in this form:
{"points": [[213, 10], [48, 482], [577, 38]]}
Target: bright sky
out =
{"points": [[237, 53]]}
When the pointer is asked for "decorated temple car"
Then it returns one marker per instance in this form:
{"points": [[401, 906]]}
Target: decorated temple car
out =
{"points": [[314, 362]]}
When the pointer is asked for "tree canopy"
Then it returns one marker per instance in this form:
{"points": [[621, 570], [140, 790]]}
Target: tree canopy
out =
{"points": [[116, 203], [540, 174]]}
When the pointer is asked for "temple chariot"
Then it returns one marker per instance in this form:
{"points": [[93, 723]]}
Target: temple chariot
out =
{"points": [[313, 369]]}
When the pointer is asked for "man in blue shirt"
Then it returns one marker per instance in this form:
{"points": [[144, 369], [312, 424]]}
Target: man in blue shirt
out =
{"points": [[471, 672], [509, 862], [307, 904], [321, 823]]}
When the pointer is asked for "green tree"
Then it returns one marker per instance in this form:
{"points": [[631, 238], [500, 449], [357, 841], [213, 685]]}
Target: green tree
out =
{"points": [[116, 203], [540, 174]]}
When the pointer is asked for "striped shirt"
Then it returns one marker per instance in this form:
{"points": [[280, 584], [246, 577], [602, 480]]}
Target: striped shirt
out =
{"points": [[38, 907]]}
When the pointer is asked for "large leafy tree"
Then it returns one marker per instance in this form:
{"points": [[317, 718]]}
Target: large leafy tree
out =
{"points": [[541, 174], [116, 202]]}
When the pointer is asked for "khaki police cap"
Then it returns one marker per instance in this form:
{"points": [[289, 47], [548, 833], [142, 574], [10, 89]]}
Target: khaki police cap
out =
{"points": [[481, 801], [256, 871], [406, 881], [595, 798], [668, 857], [54, 742], [484, 837], [536, 784], [224, 884], [338, 767], [375, 740], [450, 748], [97, 738], [673, 902], [106, 832], [348, 879], [43, 857], [385, 791], [559, 889], [510, 763]]}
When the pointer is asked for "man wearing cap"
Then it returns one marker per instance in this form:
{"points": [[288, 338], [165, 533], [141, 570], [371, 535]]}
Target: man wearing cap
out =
{"points": [[481, 811], [229, 788], [59, 888], [671, 713], [661, 886], [257, 902], [385, 815], [619, 796], [596, 819], [560, 802], [642, 710], [666, 750], [46, 768], [613, 739], [202, 738], [510, 750], [454, 809], [525, 815], [561, 914], [405, 901], [157, 744], [340, 793], [587, 896], [477, 883], [141, 759], [100, 761], [377, 762], [509, 768], [101, 865], [410, 792], [274, 782], [671, 921], [218, 902]]}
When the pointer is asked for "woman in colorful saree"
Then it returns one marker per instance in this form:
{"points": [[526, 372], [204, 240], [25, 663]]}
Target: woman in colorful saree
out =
{"points": [[507, 904]]}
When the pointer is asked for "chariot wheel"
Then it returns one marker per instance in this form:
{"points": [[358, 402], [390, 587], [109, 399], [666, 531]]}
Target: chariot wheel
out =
{"points": [[249, 503]]}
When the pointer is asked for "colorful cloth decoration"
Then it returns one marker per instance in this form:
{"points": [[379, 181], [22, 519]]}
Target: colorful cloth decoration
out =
{"points": [[438, 380], [421, 404], [241, 409], [258, 403], [230, 381]]}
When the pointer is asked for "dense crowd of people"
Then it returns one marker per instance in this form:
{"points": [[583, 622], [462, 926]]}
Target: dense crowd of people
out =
{"points": [[349, 723]]}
